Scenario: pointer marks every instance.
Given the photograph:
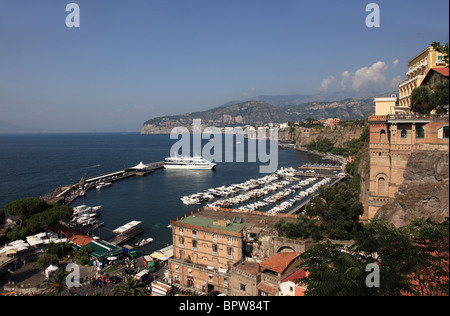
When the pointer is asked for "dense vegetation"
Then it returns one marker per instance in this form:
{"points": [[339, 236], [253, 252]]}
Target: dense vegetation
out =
{"points": [[333, 213], [34, 215], [424, 100], [411, 260], [351, 148]]}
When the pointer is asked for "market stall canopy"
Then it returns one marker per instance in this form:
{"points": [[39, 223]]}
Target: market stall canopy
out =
{"points": [[163, 254]]}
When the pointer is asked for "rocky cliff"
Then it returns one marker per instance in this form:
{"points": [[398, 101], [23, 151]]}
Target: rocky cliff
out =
{"points": [[424, 193], [344, 109], [339, 135], [246, 113]]}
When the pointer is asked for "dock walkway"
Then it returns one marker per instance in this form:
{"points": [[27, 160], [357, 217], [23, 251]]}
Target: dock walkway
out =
{"points": [[66, 195]]}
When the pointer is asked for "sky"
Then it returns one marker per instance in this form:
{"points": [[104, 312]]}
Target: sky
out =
{"points": [[130, 61]]}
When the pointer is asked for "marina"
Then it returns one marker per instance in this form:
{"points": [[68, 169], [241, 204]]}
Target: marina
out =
{"points": [[154, 200], [280, 192]]}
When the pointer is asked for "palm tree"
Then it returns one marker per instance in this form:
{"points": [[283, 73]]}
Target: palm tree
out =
{"points": [[131, 287], [56, 285]]}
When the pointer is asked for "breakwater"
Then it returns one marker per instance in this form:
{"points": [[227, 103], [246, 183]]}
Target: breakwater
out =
{"points": [[66, 195]]}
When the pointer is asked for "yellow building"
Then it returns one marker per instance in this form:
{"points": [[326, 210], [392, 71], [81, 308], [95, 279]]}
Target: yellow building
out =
{"points": [[418, 68]]}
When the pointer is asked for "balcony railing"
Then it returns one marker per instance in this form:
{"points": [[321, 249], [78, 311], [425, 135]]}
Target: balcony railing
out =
{"points": [[412, 116], [406, 82]]}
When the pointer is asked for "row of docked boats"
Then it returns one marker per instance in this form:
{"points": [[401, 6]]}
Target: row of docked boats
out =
{"points": [[281, 195], [84, 215], [300, 196], [284, 182], [224, 191]]}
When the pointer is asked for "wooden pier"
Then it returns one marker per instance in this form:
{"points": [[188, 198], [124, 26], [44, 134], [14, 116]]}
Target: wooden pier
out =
{"points": [[321, 167]]}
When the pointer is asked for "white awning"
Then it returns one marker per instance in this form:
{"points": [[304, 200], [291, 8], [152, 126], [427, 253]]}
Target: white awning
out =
{"points": [[140, 166]]}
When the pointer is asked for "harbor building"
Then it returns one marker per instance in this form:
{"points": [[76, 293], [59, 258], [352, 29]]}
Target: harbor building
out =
{"points": [[208, 242]]}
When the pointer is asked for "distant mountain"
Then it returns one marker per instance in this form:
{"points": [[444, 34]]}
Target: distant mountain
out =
{"points": [[8, 128], [296, 99], [273, 109], [345, 109], [245, 113]]}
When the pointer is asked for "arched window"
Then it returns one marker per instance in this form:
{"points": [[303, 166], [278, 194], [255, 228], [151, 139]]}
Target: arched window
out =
{"points": [[446, 132], [404, 133], [382, 136], [420, 132], [381, 186]]}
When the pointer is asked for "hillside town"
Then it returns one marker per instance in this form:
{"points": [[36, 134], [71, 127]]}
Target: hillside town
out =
{"points": [[219, 250]]}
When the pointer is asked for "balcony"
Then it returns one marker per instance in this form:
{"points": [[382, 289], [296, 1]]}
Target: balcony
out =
{"points": [[415, 118], [406, 82]]}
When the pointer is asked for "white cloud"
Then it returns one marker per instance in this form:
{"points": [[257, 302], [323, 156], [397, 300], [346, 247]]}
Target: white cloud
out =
{"points": [[326, 83], [395, 82], [346, 76], [368, 78], [371, 79]]}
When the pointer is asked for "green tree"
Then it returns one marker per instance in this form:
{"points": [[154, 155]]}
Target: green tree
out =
{"points": [[82, 255], [333, 273], [24, 208], [61, 250], [421, 100], [441, 49], [46, 260], [304, 227], [131, 287], [440, 98], [431, 257], [339, 209], [411, 260], [2, 218]]}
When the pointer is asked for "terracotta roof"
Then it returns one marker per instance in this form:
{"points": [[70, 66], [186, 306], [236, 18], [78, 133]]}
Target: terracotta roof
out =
{"points": [[442, 71], [249, 267], [81, 240], [267, 288], [298, 274], [280, 261]]}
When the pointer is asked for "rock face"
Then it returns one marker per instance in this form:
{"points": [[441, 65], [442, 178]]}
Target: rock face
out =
{"points": [[423, 194], [246, 113], [260, 113], [339, 135]]}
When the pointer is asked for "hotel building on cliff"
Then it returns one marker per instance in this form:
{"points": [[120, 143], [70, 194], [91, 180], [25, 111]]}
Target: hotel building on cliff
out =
{"points": [[396, 132]]}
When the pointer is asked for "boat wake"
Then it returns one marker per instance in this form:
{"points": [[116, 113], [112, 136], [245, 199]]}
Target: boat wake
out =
{"points": [[94, 166]]}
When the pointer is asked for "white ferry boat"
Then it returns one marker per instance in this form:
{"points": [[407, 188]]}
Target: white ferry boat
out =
{"points": [[195, 162]]}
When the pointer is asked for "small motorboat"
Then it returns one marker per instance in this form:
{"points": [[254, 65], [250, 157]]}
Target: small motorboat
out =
{"points": [[144, 242], [103, 185]]}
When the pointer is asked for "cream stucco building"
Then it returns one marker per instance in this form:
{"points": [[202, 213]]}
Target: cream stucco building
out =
{"points": [[418, 68]]}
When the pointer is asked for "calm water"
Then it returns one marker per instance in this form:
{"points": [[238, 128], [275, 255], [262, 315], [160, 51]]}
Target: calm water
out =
{"points": [[32, 165]]}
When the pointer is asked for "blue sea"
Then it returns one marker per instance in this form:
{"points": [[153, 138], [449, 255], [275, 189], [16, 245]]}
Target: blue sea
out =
{"points": [[33, 165]]}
